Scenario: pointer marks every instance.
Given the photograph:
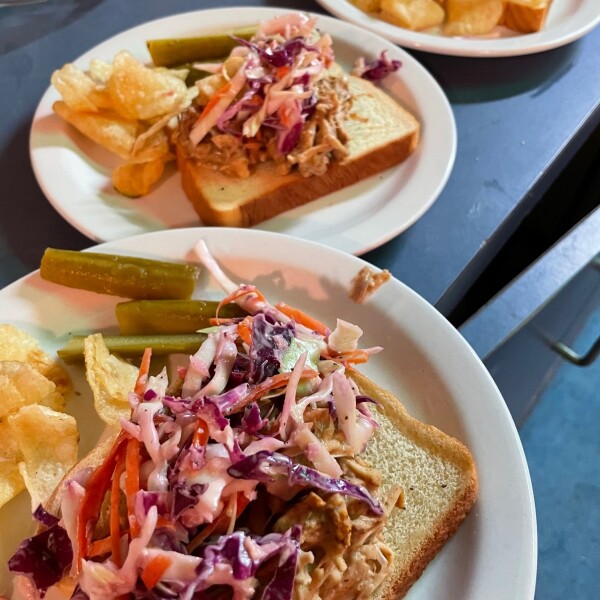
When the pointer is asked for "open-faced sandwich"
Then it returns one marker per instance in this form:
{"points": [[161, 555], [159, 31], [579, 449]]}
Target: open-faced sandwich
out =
{"points": [[279, 124], [267, 468]]}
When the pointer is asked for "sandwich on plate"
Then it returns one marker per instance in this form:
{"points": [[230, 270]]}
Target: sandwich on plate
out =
{"points": [[268, 467], [279, 124]]}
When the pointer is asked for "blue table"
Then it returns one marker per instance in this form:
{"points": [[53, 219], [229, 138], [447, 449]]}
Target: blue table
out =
{"points": [[519, 121]]}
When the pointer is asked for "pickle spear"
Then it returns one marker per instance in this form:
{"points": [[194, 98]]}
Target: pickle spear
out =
{"points": [[178, 51], [170, 316], [125, 276], [132, 346]]}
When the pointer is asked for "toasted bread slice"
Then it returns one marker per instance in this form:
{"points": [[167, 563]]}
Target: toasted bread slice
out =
{"points": [[382, 134], [436, 472], [438, 477], [525, 16]]}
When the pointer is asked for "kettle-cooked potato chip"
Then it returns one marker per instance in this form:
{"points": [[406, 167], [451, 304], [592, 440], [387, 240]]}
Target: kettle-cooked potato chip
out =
{"points": [[49, 442], [11, 482], [111, 380], [110, 130], [75, 87], [18, 345], [21, 385], [139, 92], [136, 179]]}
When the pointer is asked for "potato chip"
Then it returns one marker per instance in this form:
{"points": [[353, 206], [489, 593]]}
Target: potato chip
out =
{"points": [[75, 87], [140, 92], [111, 131], [179, 73], [21, 385], [20, 346], [55, 401], [150, 145], [99, 71], [136, 179], [48, 441], [111, 380], [9, 449], [11, 481], [412, 14], [472, 17]]}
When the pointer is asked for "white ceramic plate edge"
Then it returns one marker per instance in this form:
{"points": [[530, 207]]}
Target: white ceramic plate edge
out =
{"points": [[548, 38], [436, 154]]}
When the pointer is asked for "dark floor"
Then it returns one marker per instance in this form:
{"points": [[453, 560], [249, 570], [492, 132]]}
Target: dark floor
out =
{"points": [[561, 439]]}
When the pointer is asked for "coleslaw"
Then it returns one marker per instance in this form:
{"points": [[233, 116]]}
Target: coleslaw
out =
{"points": [[240, 479]]}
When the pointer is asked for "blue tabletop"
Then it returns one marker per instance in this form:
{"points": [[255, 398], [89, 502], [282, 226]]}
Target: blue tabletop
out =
{"points": [[519, 120]]}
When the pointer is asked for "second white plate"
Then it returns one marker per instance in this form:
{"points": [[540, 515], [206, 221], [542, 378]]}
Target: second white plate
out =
{"points": [[74, 173], [567, 21]]}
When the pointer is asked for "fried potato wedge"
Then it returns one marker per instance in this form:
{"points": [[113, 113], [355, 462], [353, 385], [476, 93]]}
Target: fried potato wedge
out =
{"points": [[111, 380], [49, 442], [17, 345], [140, 92], [412, 14], [472, 17]]}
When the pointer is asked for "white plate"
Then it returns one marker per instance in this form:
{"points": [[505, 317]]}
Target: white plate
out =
{"points": [[425, 362], [567, 21], [74, 173]]}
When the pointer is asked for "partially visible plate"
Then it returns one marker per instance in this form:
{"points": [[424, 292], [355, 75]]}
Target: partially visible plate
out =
{"points": [[425, 362], [567, 21], [74, 173]]}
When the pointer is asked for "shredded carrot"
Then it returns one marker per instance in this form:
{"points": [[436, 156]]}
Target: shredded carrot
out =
{"points": [[201, 434], [115, 498], [219, 525], [214, 101], [282, 72], [239, 293], [100, 547], [244, 330], [164, 523], [302, 318], [271, 383], [95, 490], [132, 482], [223, 320], [154, 570], [142, 378], [354, 358]]}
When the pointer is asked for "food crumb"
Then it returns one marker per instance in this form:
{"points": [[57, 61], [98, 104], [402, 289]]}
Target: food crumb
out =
{"points": [[366, 282]]}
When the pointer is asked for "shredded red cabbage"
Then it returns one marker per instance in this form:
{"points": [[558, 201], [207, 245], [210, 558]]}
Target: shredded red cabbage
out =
{"points": [[269, 342], [265, 466], [185, 497], [233, 550], [380, 68], [41, 515], [43, 557], [251, 421]]}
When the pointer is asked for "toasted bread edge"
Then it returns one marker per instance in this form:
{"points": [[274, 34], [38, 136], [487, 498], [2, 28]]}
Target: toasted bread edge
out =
{"points": [[448, 523]]}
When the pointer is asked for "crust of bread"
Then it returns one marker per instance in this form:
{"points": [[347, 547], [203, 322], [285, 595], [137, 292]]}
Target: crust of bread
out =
{"points": [[444, 503], [382, 134], [526, 16]]}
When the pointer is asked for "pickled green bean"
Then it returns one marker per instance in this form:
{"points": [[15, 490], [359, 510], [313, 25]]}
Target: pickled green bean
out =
{"points": [[125, 276], [170, 316]]}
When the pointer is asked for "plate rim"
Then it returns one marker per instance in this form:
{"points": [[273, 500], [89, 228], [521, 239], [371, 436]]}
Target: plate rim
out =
{"points": [[145, 244], [383, 233], [449, 46]]}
